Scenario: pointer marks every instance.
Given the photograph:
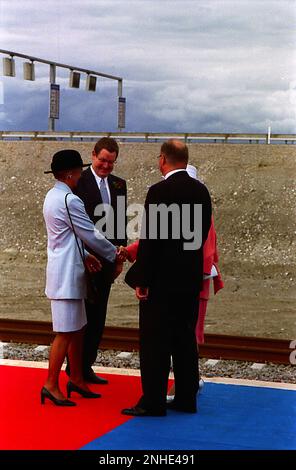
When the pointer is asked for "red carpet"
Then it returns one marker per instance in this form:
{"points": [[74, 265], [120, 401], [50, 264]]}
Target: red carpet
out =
{"points": [[28, 425]]}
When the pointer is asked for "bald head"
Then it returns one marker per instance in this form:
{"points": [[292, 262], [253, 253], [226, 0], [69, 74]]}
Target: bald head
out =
{"points": [[175, 152]]}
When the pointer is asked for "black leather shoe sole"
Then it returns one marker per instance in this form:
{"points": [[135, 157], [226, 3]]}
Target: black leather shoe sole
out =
{"points": [[137, 411]]}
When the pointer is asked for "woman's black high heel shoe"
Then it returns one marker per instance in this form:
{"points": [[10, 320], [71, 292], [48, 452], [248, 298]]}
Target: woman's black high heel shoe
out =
{"points": [[46, 394], [85, 394]]}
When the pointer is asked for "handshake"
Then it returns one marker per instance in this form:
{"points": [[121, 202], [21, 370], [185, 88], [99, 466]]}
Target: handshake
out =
{"points": [[122, 254], [121, 257], [94, 265]]}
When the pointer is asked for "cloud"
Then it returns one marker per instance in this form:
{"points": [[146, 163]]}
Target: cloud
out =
{"points": [[200, 65]]}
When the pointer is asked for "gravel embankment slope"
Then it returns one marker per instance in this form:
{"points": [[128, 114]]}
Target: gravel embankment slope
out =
{"points": [[253, 189]]}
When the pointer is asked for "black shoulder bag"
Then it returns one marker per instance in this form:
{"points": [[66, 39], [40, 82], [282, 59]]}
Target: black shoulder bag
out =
{"points": [[92, 290]]}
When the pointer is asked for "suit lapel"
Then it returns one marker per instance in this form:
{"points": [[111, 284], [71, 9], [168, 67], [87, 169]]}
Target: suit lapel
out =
{"points": [[92, 188], [112, 191]]}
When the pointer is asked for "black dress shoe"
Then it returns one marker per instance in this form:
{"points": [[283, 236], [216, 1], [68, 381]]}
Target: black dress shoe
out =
{"points": [[46, 394], [138, 411], [92, 378], [84, 393], [182, 408]]}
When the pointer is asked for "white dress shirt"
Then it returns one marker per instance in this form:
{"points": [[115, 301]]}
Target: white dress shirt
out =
{"points": [[170, 173], [99, 180]]}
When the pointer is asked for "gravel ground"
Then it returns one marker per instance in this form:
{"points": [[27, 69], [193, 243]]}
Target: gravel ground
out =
{"points": [[234, 369], [253, 189]]}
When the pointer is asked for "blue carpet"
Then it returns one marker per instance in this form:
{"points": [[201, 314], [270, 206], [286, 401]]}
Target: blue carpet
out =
{"points": [[230, 417]]}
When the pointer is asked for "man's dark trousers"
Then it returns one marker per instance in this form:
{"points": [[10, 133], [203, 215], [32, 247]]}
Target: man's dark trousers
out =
{"points": [[96, 318], [168, 323]]}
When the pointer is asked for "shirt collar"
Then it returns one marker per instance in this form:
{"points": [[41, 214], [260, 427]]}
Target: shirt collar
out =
{"points": [[98, 178], [170, 173]]}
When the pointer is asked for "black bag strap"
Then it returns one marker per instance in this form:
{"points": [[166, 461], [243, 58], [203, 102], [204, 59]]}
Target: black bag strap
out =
{"points": [[76, 238]]}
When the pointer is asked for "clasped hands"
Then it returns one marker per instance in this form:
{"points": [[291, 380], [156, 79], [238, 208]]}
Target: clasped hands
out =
{"points": [[94, 265], [122, 254], [121, 257]]}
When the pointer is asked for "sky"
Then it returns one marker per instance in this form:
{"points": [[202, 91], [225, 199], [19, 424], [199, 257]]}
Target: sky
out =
{"points": [[187, 66]]}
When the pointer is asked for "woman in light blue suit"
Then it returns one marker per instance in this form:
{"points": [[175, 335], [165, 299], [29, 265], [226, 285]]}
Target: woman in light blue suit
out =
{"points": [[68, 225]]}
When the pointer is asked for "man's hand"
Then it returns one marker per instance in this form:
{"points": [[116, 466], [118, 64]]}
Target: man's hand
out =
{"points": [[121, 257], [93, 264], [142, 293], [122, 254]]}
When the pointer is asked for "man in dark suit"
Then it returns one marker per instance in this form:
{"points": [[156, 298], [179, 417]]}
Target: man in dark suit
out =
{"points": [[168, 276], [98, 186]]}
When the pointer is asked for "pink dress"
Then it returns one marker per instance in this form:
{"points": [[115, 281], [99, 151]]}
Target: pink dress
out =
{"points": [[211, 257]]}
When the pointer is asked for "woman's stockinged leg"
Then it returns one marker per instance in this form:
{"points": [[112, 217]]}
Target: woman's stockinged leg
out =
{"points": [[57, 356], [75, 358]]}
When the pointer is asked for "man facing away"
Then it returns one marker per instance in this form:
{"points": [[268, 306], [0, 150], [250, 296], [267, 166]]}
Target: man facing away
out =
{"points": [[98, 186], [168, 276]]}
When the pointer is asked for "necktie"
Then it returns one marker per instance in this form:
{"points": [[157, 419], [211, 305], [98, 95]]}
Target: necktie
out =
{"points": [[104, 192]]}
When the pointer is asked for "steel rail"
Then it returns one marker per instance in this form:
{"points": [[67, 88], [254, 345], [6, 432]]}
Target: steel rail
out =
{"points": [[144, 136], [242, 348]]}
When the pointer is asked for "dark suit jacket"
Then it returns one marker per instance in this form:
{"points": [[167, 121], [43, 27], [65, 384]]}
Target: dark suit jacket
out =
{"points": [[164, 264], [87, 189]]}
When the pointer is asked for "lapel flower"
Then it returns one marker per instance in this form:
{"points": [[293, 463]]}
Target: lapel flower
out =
{"points": [[117, 184]]}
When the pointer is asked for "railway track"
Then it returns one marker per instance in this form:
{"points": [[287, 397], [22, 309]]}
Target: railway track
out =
{"points": [[242, 348]]}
